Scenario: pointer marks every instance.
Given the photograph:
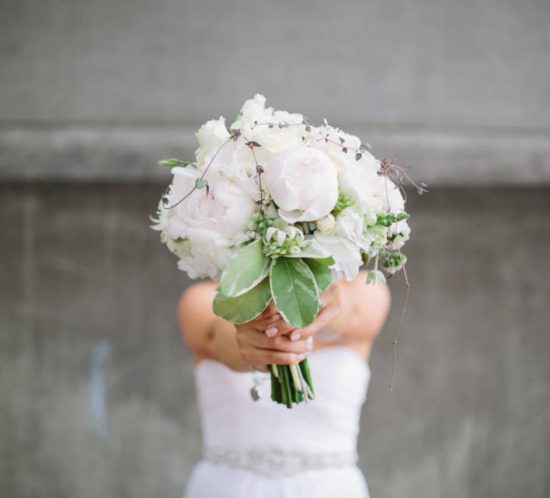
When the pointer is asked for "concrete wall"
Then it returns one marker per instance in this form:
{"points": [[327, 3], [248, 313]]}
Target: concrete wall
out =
{"points": [[101, 89], [470, 63], [96, 389]]}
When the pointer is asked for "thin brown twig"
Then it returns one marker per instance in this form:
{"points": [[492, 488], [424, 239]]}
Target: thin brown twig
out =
{"points": [[407, 287], [259, 170], [202, 175], [399, 326]]}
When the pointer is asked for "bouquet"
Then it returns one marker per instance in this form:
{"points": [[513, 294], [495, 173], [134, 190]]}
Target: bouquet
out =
{"points": [[278, 208]]}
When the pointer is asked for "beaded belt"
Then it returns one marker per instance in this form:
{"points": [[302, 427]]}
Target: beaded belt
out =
{"points": [[273, 462]]}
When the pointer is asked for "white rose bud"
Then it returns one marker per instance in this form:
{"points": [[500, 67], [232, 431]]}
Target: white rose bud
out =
{"points": [[327, 225], [276, 233], [293, 232], [281, 236], [269, 233]]}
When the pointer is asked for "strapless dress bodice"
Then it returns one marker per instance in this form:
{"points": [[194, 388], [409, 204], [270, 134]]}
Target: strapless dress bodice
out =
{"points": [[231, 419], [261, 449]]}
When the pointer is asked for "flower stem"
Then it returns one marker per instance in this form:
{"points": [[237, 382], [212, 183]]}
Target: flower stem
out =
{"points": [[295, 377]]}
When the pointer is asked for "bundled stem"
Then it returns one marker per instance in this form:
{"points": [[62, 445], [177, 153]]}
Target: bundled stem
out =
{"points": [[291, 384]]}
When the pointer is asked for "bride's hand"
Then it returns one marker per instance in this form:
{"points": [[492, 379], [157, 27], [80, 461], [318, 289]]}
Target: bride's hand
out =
{"points": [[331, 307], [260, 349]]}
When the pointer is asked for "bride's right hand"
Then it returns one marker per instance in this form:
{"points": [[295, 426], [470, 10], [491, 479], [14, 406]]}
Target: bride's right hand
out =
{"points": [[259, 350]]}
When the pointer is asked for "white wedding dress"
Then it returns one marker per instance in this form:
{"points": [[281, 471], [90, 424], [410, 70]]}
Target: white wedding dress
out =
{"points": [[260, 449]]}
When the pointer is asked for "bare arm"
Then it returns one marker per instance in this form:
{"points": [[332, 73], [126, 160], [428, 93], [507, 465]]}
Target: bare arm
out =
{"points": [[205, 334], [237, 346], [352, 309]]}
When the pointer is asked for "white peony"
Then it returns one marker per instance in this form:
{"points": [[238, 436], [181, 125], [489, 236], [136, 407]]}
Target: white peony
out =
{"points": [[303, 183], [210, 222], [305, 170]]}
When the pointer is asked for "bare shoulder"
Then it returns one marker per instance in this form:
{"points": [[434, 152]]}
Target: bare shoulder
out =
{"points": [[195, 315]]}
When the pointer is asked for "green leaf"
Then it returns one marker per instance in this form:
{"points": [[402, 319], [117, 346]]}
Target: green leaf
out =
{"points": [[324, 261], [294, 291], [171, 162], [402, 216], [375, 277], [321, 271], [245, 269], [201, 183], [245, 307]]}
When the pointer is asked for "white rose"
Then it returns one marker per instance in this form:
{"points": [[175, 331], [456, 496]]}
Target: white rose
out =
{"points": [[303, 182], [260, 124], [346, 254], [255, 109], [210, 136], [402, 231], [236, 163], [199, 264], [350, 224], [339, 145], [361, 181], [392, 197], [273, 140]]}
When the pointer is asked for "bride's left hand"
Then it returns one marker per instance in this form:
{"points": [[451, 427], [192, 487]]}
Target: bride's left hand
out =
{"points": [[331, 307]]}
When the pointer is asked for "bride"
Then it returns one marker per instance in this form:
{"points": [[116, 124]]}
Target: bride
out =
{"points": [[255, 448]]}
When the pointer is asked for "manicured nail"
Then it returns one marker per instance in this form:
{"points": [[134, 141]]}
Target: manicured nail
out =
{"points": [[295, 335], [271, 332], [275, 317]]}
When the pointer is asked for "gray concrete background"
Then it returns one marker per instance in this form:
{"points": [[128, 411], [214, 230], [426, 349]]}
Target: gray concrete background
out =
{"points": [[99, 89], [88, 311], [96, 389]]}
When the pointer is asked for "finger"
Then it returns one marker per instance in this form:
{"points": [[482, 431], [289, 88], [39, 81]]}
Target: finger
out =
{"points": [[268, 321], [262, 356], [261, 368], [284, 344], [278, 328], [323, 318], [258, 340], [254, 338], [268, 312]]}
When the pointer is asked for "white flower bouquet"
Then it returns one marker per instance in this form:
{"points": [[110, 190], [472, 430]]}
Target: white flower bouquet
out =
{"points": [[277, 208]]}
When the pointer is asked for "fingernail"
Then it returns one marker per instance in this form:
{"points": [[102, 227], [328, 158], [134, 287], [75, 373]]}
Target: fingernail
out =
{"points": [[271, 332], [295, 335], [301, 356], [275, 317]]}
